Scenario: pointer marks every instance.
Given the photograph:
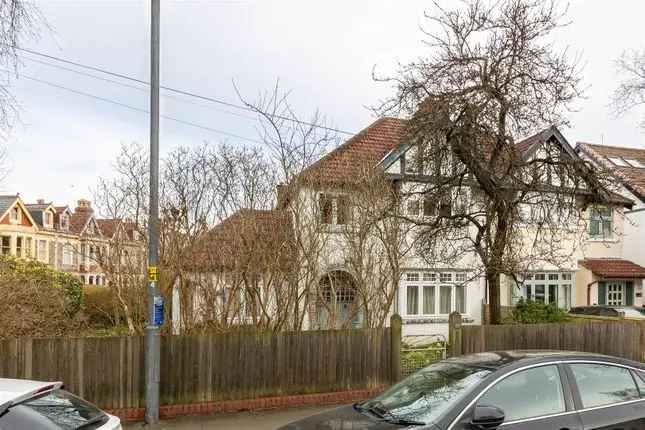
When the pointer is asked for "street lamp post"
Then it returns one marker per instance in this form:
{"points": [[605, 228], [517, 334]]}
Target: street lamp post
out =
{"points": [[155, 300]]}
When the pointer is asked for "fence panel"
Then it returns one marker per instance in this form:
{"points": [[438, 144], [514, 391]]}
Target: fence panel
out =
{"points": [[194, 369], [619, 338]]}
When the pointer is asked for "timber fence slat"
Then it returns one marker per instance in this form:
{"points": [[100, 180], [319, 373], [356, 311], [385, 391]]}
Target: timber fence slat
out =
{"points": [[619, 338]]}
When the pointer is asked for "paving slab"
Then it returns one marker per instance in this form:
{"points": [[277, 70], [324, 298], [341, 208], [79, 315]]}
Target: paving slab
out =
{"points": [[262, 420]]}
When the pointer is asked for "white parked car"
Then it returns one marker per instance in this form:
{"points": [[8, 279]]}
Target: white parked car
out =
{"points": [[30, 405]]}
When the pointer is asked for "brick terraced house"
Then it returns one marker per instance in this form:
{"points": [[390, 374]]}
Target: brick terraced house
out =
{"points": [[69, 241]]}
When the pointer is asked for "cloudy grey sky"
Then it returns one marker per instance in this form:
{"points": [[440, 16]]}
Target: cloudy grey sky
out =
{"points": [[323, 51]]}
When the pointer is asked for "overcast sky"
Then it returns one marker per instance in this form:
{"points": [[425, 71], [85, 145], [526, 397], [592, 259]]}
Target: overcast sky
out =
{"points": [[323, 51]]}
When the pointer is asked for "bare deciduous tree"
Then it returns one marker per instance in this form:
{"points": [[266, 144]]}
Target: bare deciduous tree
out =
{"points": [[630, 92], [490, 76]]}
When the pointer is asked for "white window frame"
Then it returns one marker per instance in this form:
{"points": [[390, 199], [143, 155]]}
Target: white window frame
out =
{"points": [[420, 280], [595, 216], [564, 283], [68, 255], [41, 252]]}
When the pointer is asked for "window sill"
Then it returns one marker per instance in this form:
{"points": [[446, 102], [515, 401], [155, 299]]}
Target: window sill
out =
{"points": [[436, 319], [602, 240]]}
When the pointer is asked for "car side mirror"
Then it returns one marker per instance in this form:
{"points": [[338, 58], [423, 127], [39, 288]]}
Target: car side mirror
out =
{"points": [[487, 417]]}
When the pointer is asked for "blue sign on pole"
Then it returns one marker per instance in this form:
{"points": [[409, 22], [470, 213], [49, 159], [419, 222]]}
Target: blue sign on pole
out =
{"points": [[158, 303]]}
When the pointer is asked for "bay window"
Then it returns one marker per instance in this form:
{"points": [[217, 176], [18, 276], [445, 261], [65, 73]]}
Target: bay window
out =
{"points": [[551, 288], [433, 294]]}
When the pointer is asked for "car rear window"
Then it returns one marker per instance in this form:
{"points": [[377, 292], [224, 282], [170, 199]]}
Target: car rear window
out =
{"points": [[67, 411]]}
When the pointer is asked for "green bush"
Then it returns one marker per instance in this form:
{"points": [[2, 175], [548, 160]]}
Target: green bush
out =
{"points": [[532, 312], [41, 274]]}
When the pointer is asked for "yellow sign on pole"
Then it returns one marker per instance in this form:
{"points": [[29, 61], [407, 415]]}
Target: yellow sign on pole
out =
{"points": [[153, 274]]}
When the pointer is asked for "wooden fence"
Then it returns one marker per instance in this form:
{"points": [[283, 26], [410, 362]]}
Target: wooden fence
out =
{"points": [[209, 368], [620, 338]]}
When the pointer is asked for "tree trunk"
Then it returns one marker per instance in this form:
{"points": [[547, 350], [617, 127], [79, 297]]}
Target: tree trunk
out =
{"points": [[494, 299]]}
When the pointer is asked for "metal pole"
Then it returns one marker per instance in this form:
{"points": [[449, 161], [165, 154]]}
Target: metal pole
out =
{"points": [[155, 302]]}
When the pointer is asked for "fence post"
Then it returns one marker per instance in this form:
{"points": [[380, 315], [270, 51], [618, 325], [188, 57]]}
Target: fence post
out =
{"points": [[395, 346], [454, 334]]}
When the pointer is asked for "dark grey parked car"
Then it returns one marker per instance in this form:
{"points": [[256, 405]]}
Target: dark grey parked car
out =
{"points": [[536, 390]]}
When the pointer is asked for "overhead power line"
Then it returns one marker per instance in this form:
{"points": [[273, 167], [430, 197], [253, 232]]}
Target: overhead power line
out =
{"points": [[134, 87], [134, 108], [178, 91]]}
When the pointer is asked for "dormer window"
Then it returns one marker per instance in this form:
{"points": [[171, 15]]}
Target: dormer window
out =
{"points": [[48, 219], [618, 161], [635, 163], [64, 222]]}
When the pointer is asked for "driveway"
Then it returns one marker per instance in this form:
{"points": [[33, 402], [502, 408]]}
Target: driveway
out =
{"points": [[265, 420]]}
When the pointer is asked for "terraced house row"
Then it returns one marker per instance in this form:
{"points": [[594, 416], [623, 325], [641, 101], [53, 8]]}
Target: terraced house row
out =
{"points": [[73, 241]]}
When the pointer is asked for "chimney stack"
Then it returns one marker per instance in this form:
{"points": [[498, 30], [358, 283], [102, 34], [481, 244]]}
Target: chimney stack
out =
{"points": [[40, 201], [84, 206]]}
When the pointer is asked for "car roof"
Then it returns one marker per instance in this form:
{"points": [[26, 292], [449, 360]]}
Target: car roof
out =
{"points": [[498, 359], [17, 390]]}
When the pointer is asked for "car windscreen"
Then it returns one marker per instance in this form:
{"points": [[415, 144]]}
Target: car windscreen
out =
{"points": [[66, 410], [428, 393]]}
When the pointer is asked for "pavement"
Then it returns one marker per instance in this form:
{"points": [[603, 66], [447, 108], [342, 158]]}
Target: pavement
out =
{"points": [[264, 420]]}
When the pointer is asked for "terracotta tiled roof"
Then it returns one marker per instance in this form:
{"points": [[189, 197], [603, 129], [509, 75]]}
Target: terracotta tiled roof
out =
{"points": [[367, 148], [613, 268], [526, 144], [633, 178], [78, 220], [249, 240], [108, 226]]}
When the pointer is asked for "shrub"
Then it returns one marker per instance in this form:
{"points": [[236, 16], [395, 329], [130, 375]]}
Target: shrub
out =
{"points": [[532, 312], [100, 307], [30, 271], [37, 301]]}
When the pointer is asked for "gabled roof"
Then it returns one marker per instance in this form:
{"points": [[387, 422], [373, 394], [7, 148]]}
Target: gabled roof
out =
{"points": [[79, 222], [6, 203], [632, 177], [613, 268], [36, 211], [61, 209], [109, 226], [367, 148]]}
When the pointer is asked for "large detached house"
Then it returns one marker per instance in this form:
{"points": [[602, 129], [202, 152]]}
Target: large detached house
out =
{"points": [[597, 272]]}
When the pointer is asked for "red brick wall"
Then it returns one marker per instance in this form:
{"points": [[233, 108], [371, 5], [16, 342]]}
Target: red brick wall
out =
{"points": [[283, 402]]}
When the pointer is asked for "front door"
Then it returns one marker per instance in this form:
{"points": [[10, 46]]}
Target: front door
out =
{"points": [[615, 293]]}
